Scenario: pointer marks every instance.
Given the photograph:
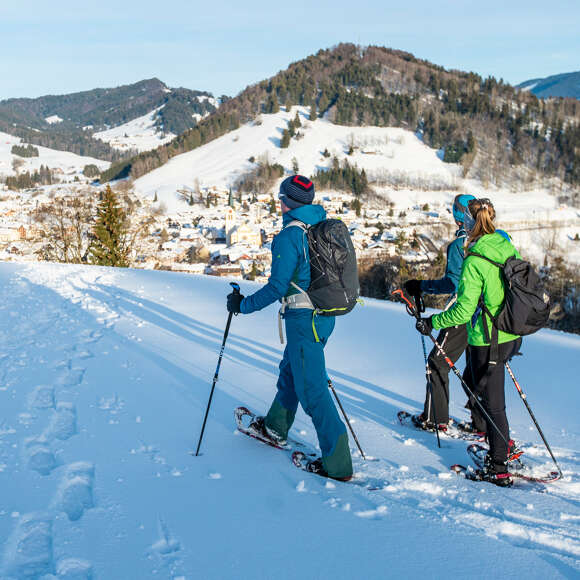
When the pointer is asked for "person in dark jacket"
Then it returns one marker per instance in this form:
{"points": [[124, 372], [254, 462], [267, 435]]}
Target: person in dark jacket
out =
{"points": [[480, 279], [303, 378], [452, 339]]}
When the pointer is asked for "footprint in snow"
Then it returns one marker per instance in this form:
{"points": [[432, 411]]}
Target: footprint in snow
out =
{"points": [[39, 456], [75, 492], [74, 569], [63, 423], [71, 377], [29, 549], [42, 397]]}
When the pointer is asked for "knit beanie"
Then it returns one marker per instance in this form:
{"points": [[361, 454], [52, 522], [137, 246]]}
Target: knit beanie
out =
{"points": [[296, 191], [460, 204]]}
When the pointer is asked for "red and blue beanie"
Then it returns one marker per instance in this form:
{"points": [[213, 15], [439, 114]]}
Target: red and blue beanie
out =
{"points": [[296, 190]]}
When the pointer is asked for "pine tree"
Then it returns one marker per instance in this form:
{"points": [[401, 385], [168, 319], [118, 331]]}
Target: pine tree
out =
{"points": [[285, 142], [297, 122], [109, 246], [272, 105], [313, 115]]}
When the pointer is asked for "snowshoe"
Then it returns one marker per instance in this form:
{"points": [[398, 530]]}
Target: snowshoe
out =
{"points": [[257, 429], [448, 429], [479, 456]]}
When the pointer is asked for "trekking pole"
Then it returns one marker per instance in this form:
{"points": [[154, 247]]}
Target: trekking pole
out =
{"points": [[412, 311], [525, 400], [236, 290], [346, 419], [420, 307]]}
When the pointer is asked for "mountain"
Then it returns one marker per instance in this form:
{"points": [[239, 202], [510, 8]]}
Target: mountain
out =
{"points": [[67, 122], [491, 128], [106, 375], [563, 85]]}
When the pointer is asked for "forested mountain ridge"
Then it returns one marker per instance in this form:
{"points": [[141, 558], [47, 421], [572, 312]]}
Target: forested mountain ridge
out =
{"points": [[487, 125], [67, 122], [561, 85]]}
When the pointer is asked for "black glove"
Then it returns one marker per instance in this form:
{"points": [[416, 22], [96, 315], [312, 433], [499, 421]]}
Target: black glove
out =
{"points": [[425, 325], [413, 287], [234, 302]]}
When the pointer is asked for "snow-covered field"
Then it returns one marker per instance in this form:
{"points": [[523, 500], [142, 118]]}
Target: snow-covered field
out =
{"points": [[140, 134], [63, 160], [105, 376]]}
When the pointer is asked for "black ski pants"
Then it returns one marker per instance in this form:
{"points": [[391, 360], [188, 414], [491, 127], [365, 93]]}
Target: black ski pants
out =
{"points": [[488, 386], [453, 341]]}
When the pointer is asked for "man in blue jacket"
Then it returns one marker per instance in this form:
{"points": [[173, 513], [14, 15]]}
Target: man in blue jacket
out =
{"points": [[303, 376], [453, 340]]}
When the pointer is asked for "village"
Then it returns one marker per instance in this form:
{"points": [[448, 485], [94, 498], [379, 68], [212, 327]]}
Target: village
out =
{"points": [[219, 233]]}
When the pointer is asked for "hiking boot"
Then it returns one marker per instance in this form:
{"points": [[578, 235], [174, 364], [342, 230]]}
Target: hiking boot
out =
{"points": [[315, 466], [258, 425], [468, 427], [420, 422], [494, 472]]}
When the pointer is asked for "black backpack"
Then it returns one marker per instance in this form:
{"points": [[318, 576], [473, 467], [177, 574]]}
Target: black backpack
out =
{"points": [[334, 287], [526, 306]]}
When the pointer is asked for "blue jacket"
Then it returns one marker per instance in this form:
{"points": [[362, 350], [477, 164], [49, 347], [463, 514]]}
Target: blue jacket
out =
{"points": [[450, 281], [290, 260]]}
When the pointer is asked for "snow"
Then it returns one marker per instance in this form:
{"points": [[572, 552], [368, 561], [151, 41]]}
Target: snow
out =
{"points": [[534, 218], [140, 134], [104, 382], [220, 162], [63, 160], [53, 119]]}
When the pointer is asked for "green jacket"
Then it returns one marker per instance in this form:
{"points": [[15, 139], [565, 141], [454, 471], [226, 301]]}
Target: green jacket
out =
{"points": [[479, 277]]}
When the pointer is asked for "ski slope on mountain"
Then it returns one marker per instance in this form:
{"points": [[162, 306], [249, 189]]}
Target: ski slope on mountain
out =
{"points": [[139, 134], [68, 163], [105, 377]]}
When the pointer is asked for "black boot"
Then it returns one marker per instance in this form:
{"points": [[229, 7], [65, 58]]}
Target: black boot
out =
{"points": [[315, 466], [258, 426], [420, 422], [494, 472]]}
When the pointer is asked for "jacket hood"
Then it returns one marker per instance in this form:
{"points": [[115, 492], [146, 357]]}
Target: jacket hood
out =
{"points": [[494, 246], [308, 214]]}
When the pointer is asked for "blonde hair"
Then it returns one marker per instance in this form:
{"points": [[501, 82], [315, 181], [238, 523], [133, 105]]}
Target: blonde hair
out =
{"points": [[483, 212]]}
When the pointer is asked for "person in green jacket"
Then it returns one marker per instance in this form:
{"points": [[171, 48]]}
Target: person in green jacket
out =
{"points": [[479, 278]]}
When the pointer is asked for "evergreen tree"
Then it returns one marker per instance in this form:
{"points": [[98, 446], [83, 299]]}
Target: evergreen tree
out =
{"points": [[109, 246], [297, 122], [285, 141], [272, 105], [313, 115]]}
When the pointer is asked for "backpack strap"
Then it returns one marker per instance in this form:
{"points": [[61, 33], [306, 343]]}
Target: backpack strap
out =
{"points": [[498, 264], [492, 338]]}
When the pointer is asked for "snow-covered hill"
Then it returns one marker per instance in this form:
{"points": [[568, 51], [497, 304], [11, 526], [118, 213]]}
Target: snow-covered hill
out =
{"points": [[104, 382], [220, 162], [140, 134], [68, 163]]}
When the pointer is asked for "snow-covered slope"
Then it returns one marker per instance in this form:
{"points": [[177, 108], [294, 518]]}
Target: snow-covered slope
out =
{"points": [[220, 162], [105, 379], [140, 134], [63, 160]]}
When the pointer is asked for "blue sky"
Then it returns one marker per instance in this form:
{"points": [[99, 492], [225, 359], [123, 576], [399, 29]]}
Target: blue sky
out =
{"points": [[222, 46]]}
